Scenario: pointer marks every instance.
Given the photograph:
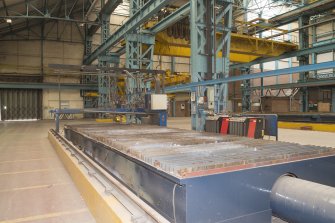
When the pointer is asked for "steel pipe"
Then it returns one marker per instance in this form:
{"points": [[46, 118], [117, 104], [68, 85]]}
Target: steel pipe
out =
{"points": [[301, 201]]}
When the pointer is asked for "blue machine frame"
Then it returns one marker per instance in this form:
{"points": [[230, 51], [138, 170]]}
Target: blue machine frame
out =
{"points": [[241, 196]]}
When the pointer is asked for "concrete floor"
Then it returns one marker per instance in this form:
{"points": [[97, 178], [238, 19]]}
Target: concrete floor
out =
{"points": [[35, 187]]}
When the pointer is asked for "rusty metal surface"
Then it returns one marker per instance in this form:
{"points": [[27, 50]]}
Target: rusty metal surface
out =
{"points": [[185, 154]]}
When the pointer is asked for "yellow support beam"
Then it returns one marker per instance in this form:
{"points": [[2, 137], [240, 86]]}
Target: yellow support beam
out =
{"points": [[185, 51], [104, 120], [305, 125], [91, 94]]}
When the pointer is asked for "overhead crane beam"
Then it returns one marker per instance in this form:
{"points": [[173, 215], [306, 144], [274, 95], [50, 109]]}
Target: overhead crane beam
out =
{"points": [[243, 48], [176, 16], [295, 85], [110, 6], [306, 68], [307, 10], [107, 9], [141, 16], [161, 49], [325, 47]]}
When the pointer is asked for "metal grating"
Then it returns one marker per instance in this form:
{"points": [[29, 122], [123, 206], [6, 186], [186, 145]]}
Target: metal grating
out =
{"points": [[187, 154]]}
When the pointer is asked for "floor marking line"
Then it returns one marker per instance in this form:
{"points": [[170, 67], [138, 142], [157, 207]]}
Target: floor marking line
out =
{"points": [[10, 151], [31, 171], [45, 216], [25, 160], [35, 187]]}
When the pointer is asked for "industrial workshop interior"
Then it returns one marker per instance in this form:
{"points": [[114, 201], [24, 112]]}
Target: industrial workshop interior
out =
{"points": [[158, 111]]}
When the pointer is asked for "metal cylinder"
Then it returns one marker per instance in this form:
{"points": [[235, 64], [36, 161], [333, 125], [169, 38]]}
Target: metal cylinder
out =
{"points": [[301, 201]]}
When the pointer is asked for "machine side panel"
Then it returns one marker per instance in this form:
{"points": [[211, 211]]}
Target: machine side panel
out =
{"points": [[244, 196], [164, 195]]}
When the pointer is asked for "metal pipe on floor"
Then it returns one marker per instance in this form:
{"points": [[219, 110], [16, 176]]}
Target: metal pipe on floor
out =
{"points": [[301, 201]]}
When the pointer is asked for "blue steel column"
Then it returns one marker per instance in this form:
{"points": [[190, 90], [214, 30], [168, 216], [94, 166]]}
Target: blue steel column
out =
{"points": [[246, 91], [223, 45], [132, 41], [199, 63], [106, 84], [261, 65], [133, 49], [139, 46], [303, 59], [88, 42], [89, 102], [139, 55], [103, 82], [209, 17]]}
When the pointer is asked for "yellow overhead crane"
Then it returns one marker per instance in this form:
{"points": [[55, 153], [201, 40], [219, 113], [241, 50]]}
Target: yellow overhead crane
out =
{"points": [[244, 48]]}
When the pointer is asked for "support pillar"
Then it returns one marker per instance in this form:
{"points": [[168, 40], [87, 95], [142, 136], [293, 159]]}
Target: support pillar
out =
{"points": [[106, 84], [139, 46], [88, 42], [209, 17], [246, 92], [139, 55], [303, 60]]}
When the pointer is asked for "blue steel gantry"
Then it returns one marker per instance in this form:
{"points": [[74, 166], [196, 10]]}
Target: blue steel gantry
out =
{"points": [[139, 55], [139, 46], [136, 20], [107, 85], [205, 22], [207, 19]]}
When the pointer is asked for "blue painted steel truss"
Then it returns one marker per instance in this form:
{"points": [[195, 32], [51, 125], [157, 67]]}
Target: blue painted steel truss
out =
{"points": [[139, 17], [246, 91], [207, 19], [306, 68], [139, 55], [107, 85]]}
